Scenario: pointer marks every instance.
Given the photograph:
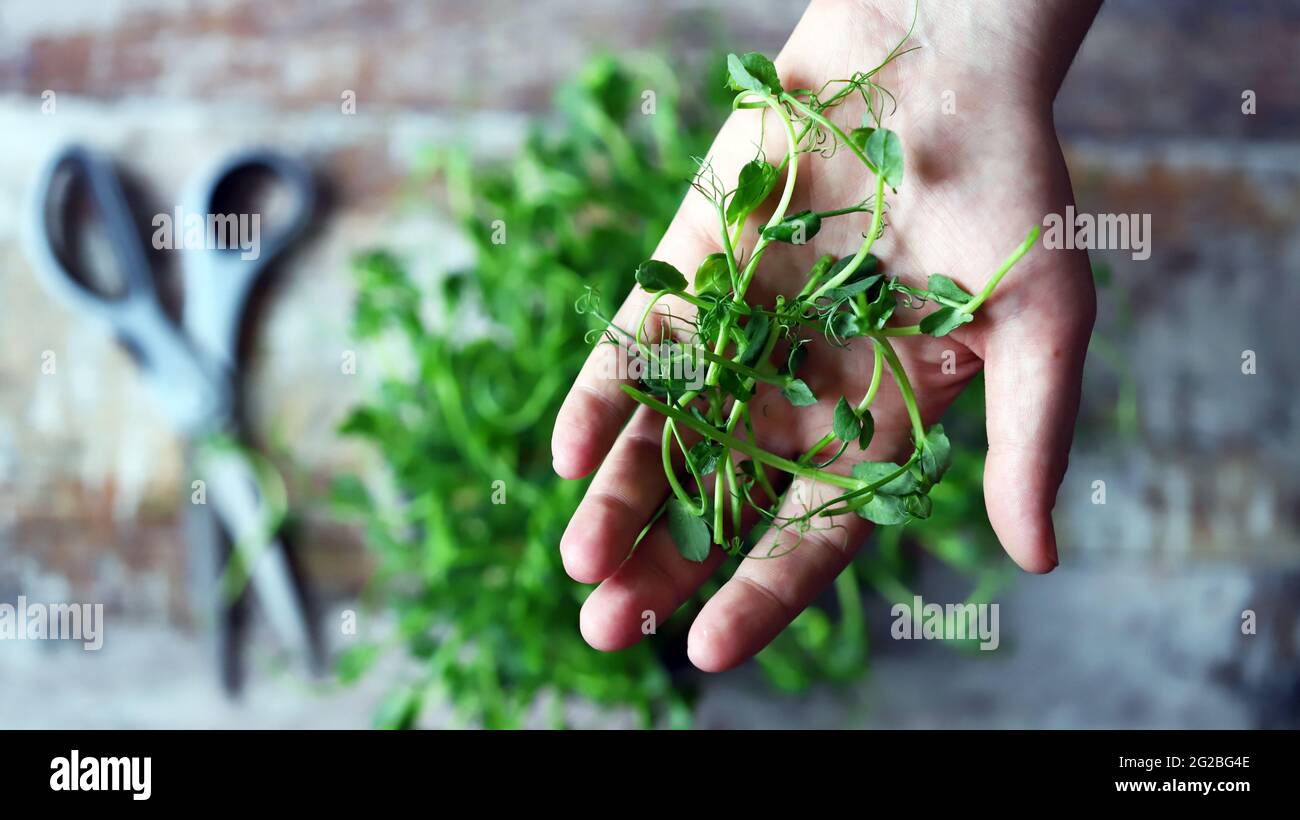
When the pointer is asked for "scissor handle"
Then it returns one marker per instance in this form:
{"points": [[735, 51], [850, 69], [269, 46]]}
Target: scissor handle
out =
{"points": [[293, 175], [112, 209], [192, 391], [218, 282]]}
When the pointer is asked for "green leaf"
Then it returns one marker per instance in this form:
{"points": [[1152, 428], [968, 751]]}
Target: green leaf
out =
{"points": [[798, 393], [362, 421], [399, 709], [689, 531], [881, 308], [670, 387], [852, 288], [846, 424], [885, 510], [757, 179], [860, 136], [349, 496], [713, 275], [354, 661], [755, 337], [654, 276], [918, 505], [705, 456], [885, 150], [868, 429], [936, 454], [840, 265], [752, 72], [796, 229], [608, 85], [821, 267], [733, 383], [866, 268], [844, 325], [940, 285], [944, 321], [873, 471]]}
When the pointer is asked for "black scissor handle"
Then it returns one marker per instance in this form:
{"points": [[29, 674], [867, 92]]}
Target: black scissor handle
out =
{"points": [[48, 237], [211, 195], [195, 394]]}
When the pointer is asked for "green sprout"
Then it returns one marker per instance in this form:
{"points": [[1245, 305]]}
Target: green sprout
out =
{"points": [[843, 299]]}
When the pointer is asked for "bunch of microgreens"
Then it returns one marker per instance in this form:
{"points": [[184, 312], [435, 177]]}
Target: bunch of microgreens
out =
{"points": [[475, 587], [843, 299]]}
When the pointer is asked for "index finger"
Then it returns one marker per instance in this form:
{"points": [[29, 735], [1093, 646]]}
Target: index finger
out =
{"points": [[596, 409]]}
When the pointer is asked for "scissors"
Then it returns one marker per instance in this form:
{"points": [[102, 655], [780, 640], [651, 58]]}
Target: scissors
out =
{"points": [[192, 366]]}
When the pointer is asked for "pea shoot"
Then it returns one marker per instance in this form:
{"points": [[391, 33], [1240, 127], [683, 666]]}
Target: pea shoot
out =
{"points": [[741, 345]]}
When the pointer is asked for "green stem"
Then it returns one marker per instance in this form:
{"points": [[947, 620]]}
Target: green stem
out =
{"points": [[758, 454], [640, 325], [876, 216], [973, 305], [729, 364], [854, 209], [862, 407], [848, 499], [729, 246], [819, 270], [739, 410], [906, 330], [724, 329], [730, 476], [666, 453], [719, 488], [760, 475], [819, 118], [904, 387]]}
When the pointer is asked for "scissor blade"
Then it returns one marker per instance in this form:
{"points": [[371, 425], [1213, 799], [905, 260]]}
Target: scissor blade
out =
{"points": [[233, 493]]}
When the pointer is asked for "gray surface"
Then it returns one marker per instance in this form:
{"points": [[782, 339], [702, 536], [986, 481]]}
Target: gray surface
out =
{"points": [[1113, 646]]}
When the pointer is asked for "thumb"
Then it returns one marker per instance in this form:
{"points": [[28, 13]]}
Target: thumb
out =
{"points": [[1033, 377]]}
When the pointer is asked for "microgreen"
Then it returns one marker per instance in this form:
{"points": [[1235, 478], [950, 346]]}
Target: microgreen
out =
{"points": [[713, 277], [689, 530], [944, 321], [885, 150], [752, 72], [798, 393], [847, 425], [944, 288], [476, 589], [654, 276], [749, 346], [757, 179]]}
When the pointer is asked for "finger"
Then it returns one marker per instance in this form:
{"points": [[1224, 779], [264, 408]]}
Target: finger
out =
{"points": [[596, 407], [1033, 378], [625, 493], [646, 590], [783, 574]]}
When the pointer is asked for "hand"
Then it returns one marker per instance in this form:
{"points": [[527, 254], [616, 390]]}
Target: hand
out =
{"points": [[977, 179]]}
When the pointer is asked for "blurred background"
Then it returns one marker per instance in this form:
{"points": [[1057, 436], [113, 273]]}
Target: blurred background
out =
{"points": [[1140, 627]]}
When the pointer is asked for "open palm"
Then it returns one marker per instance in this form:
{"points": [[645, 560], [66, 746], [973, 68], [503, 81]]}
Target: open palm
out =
{"points": [[982, 168]]}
